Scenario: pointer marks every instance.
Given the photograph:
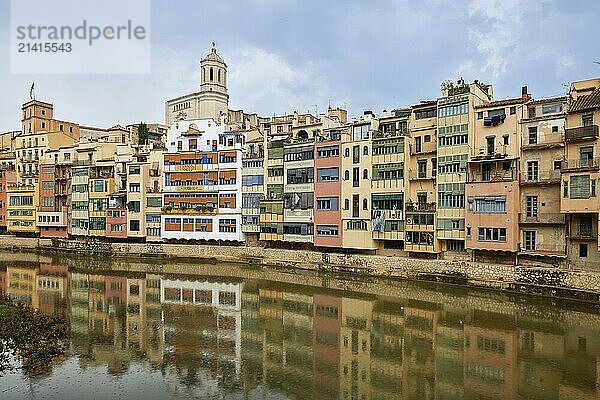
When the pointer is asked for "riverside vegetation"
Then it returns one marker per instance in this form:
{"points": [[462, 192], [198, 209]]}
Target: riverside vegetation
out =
{"points": [[29, 339]]}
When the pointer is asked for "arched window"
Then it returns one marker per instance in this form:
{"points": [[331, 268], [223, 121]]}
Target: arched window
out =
{"points": [[219, 75], [347, 175], [347, 152], [365, 174], [365, 205], [346, 204], [211, 74], [366, 151], [204, 74]]}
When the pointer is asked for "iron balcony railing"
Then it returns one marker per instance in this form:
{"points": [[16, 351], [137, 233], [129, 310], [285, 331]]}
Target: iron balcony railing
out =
{"points": [[581, 133], [419, 207], [581, 163], [493, 176], [541, 177]]}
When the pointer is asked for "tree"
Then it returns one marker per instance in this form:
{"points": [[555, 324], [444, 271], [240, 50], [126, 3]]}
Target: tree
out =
{"points": [[142, 133]]}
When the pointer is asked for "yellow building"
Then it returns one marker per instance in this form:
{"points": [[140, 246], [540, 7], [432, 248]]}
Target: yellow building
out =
{"points": [[421, 171], [356, 183], [21, 209], [580, 173]]}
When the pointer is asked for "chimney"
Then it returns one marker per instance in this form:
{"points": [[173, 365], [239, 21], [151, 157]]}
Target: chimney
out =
{"points": [[524, 94], [368, 113]]}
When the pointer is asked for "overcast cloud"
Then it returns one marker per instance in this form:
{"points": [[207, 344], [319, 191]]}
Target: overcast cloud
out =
{"points": [[288, 55]]}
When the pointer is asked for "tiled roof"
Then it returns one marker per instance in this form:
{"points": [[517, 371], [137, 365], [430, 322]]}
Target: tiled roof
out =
{"points": [[498, 103], [587, 102], [549, 100]]}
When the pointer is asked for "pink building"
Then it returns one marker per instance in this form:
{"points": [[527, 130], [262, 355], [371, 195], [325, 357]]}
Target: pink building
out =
{"points": [[328, 189], [116, 223]]}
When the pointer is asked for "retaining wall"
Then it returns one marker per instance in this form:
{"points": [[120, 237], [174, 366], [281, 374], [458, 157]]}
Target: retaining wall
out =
{"points": [[497, 276]]}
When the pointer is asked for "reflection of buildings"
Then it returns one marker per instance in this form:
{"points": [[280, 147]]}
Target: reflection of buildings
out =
{"points": [[202, 334], [216, 338]]}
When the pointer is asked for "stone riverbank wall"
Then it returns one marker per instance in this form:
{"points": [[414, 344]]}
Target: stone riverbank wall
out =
{"points": [[541, 281]]}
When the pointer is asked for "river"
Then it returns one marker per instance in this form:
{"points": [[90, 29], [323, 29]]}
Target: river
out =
{"points": [[143, 330]]}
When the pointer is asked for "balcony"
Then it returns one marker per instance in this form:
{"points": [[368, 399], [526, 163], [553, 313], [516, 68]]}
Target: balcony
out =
{"points": [[52, 219], [493, 176], [581, 133], [581, 164], [200, 210], [545, 250], [253, 155], [543, 177], [543, 141], [491, 153], [584, 233], [419, 207], [82, 163], [288, 237], [542, 218], [250, 228], [392, 235], [416, 175], [389, 133]]}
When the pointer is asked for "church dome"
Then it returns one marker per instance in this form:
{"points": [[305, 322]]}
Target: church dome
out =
{"points": [[213, 56]]}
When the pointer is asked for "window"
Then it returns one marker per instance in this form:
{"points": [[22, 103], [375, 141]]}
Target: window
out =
{"points": [[551, 108], [587, 119], [566, 189], [355, 154], [532, 171], [505, 139], [327, 230], [355, 175], [300, 175], [557, 165], [134, 187], [529, 240], [355, 205], [134, 206], [480, 115], [227, 225], [365, 204], [154, 202], [356, 225], [346, 204], [347, 152], [555, 129], [489, 204], [327, 203], [134, 170], [532, 206], [453, 109], [580, 187], [347, 175], [327, 152], [365, 174], [360, 132], [583, 250], [328, 174], [513, 110], [134, 225], [427, 113], [491, 234], [365, 150]]}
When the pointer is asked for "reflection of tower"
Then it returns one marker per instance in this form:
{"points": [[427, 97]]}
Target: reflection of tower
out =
{"points": [[355, 348], [213, 98]]}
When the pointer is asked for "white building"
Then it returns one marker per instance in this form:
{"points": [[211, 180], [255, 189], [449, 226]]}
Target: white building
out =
{"points": [[202, 188]]}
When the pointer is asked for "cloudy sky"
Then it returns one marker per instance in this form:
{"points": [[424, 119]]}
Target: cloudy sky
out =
{"points": [[286, 55]]}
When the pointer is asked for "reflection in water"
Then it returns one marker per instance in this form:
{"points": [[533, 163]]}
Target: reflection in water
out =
{"points": [[214, 337]]}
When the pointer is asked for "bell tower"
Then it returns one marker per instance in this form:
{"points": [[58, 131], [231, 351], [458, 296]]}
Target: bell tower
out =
{"points": [[213, 97]]}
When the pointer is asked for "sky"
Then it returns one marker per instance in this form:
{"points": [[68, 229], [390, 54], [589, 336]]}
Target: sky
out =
{"points": [[286, 56]]}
